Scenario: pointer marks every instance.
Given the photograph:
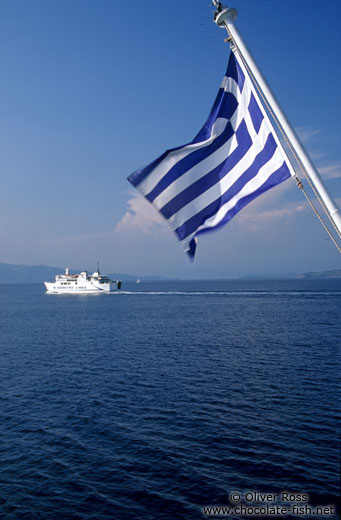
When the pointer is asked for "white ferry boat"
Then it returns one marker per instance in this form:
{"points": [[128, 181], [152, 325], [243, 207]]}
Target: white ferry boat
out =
{"points": [[82, 283]]}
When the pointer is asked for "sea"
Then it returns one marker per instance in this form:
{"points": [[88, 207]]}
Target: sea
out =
{"points": [[170, 399]]}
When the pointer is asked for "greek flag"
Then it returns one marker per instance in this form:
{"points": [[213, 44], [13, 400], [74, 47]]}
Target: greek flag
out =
{"points": [[235, 157]]}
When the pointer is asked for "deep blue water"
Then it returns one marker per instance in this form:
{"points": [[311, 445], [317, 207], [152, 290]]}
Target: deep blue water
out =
{"points": [[151, 405]]}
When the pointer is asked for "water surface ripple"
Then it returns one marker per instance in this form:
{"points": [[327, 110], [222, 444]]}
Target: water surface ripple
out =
{"points": [[156, 402]]}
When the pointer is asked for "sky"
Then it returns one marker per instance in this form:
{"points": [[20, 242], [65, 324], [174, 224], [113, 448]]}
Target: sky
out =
{"points": [[92, 90]]}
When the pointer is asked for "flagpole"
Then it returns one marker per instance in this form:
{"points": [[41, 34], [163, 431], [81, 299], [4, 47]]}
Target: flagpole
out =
{"points": [[225, 17]]}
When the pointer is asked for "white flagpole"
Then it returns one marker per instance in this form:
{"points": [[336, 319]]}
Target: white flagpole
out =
{"points": [[225, 17]]}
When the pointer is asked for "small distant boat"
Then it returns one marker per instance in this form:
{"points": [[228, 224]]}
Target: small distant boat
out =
{"points": [[82, 283], [138, 280]]}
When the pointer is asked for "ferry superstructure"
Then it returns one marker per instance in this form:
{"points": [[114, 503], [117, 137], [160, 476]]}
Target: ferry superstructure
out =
{"points": [[82, 283]]}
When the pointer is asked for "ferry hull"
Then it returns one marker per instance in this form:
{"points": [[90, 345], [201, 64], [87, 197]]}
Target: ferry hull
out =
{"points": [[53, 288]]}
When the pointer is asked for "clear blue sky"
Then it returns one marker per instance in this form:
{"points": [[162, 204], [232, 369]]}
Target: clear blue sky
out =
{"points": [[93, 89]]}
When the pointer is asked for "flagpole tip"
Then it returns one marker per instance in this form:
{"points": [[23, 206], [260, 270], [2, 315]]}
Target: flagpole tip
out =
{"points": [[224, 15]]}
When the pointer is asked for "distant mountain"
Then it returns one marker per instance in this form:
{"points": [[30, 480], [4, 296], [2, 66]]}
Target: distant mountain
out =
{"points": [[336, 273], [130, 278], [322, 274], [121, 276], [10, 273], [280, 276]]}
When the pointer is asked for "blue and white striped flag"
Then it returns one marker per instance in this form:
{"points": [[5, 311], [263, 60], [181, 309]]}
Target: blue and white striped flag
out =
{"points": [[235, 157]]}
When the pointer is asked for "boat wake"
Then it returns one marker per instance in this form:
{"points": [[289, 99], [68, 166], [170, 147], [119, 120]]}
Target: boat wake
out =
{"points": [[297, 294]]}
